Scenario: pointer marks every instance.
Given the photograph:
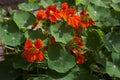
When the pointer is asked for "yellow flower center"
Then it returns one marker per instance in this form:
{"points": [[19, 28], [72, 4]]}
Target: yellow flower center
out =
{"points": [[51, 12]]}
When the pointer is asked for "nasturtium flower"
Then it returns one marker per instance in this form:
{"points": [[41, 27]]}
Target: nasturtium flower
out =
{"points": [[64, 6], [78, 41], [63, 10], [74, 21], [52, 13], [70, 16], [86, 19], [76, 47], [40, 14], [80, 59], [32, 51]]}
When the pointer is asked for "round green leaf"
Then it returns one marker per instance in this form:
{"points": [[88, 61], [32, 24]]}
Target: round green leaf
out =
{"points": [[116, 1], [10, 34], [59, 59], [28, 6], [23, 19], [94, 39], [19, 62], [35, 34], [112, 41], [70, 75], [116, 6], [62, 33], [112, 69]]}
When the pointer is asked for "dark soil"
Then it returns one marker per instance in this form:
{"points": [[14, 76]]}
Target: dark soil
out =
{"points": [[10, 3]]}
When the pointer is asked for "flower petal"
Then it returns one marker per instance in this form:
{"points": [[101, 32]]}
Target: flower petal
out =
{"points": [[38, 44]]}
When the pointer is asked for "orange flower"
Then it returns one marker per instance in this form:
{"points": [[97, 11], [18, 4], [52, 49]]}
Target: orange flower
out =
{"points": [[86, 19], [69, 15], [64, 6], [40, 14], [74, 21], [76, 46], [78, 41], [80, 59], [63, 10], [79, 55], [33, 51], [52, 13]]}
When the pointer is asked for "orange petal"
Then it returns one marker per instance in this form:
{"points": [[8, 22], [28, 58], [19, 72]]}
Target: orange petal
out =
{"points": [[64, 6], [31, 57], [80, 59], [28, 44], [38, 44], [40, 14], [53, 18], [39, 56]]}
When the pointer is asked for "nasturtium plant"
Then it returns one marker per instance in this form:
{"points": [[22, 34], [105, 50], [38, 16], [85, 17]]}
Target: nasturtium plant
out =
{"points": [[61, 40]]}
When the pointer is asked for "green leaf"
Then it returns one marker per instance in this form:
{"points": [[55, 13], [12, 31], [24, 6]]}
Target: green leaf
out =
{"points": [[116, 6], [77, 1], [45, 3], [23, 19], [35, 34], [83, 72], [10, 34], [86, 2], [100, 14], [115, 1], [62, 33], [112, 41], [28, 6], [94, 39], [53, 75], [71, 75], [59, 59], [20, 63], [116, 58], [112, 69], [102, 3]]}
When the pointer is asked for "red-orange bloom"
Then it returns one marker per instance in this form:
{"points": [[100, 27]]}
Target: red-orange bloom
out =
{"points": [[64, 6], [69, 14], [52, 13], [63, 10], [79, 55], [76, 48], [40, 14], [80, 59], [33, 51], [78, 41], [74, 21], [86, 19]]}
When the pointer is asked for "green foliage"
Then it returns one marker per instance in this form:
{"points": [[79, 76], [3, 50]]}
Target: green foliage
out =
{"points": [[61, 32], [94, 39], [23, 19], [59, 59], [112, 41], [10, 34], [28, 6], [102, 42]]}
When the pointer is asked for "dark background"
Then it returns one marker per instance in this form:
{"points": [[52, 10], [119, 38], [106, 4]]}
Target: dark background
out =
{"points": [[10, 3]]}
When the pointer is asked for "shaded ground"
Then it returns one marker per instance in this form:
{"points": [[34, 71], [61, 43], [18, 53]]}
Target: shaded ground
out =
{"points": [[10, 3]]}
